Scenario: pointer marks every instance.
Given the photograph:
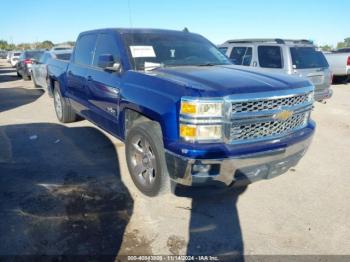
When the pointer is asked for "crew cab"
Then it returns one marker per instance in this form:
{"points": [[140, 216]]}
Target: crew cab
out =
{"points": [[182, 109]]}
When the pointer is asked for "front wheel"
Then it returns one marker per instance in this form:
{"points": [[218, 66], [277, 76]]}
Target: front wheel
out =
{"points": [[146, 160]]}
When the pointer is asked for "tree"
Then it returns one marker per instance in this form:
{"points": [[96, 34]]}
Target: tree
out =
{"points": [[344, 44], [24, 46], [326, 48], [3, 45], [47, 44]]}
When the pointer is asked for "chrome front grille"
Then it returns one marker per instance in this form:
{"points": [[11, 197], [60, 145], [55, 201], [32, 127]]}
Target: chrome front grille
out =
{"points": [[259, 130], [256, 117], [269, 104]]}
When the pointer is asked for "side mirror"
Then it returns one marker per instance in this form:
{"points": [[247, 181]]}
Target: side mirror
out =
{"points": [[108, 62]]}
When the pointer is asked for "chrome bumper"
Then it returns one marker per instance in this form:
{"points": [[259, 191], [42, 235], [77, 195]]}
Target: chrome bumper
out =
{"points": [[240, 170], [324, 94]]}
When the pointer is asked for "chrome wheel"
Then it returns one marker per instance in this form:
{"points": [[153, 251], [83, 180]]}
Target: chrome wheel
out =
{"points": [[143, 161], [58, 105]]}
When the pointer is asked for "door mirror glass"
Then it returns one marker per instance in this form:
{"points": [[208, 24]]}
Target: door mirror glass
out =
{"points": [[107, 61]]}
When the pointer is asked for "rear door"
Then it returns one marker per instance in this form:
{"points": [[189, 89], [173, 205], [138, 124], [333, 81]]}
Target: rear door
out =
{"points": [[309, 63], [270, 59], [241, 55], [103, 85], [78, 70]]}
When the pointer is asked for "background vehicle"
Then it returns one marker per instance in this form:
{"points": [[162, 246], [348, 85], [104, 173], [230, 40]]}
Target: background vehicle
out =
{"points": [[24, 65], [3, 54], [339, 63], [61, 47], [183, 110], [39, 67], [14, 58], [292, 57], [8, 57]]}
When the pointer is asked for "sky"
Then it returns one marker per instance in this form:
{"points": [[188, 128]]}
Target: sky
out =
{"points": [[325, 22]]}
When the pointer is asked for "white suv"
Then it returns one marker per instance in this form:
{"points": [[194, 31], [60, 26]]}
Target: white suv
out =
{"points": [[293, 57], [15, 57]]}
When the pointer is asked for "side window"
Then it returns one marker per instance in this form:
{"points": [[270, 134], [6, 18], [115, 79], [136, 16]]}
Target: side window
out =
{"points": [[223, 50], [85, 49], [270, 56], [106, 46], [248, 57], [241, 55]]}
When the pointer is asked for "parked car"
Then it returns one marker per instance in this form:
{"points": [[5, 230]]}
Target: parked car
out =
{"points": [[292, 57], [3, 54], [24, 65], [183, 110], [8, 57], [39, 67], [61, 47], [14, 58], [339, 62]]}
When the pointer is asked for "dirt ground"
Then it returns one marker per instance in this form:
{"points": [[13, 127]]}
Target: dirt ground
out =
{"points": [[65, 189]]}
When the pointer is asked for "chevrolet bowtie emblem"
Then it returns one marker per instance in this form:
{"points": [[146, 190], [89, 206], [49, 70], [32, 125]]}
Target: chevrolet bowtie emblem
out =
{"points": [[283, 115]]}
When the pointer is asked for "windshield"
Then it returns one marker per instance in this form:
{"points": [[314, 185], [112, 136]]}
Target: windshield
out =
{"points": [[34, 54], [152, 50], [307, 57]]}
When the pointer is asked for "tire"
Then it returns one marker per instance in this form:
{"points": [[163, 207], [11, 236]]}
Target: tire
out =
{"points": [[34, 82], [146, 160], [63, 109], [49, 88], [18, 74], [340, 79], [25, 77]]}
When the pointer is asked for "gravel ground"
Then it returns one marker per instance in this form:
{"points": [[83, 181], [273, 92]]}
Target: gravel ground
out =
{"points": [[65, 189]]}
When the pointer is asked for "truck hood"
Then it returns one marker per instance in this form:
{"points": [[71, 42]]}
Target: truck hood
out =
{"points": [[226, 80]]}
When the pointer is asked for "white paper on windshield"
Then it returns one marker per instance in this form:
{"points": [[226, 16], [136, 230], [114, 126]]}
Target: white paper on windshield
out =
{"points": [[151, 66], [142, 51]]}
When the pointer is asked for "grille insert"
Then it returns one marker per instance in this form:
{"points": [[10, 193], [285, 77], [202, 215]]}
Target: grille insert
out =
{"points": [[258, 130], [271, 104]]}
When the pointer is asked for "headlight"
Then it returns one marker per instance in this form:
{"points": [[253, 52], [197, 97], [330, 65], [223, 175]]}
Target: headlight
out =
{"points": [[201, 108], [200, 132]]}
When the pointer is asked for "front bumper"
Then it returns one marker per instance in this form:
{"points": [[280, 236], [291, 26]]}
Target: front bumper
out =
{"points": [[238, 171], [323, 94]]}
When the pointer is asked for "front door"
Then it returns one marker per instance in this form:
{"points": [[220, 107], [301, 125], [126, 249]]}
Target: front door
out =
{"points": [[103, 85]]}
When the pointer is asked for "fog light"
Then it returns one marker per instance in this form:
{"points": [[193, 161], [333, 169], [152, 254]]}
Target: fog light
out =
{"points": [[201, 168]]}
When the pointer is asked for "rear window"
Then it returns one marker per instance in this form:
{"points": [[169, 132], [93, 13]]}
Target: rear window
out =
{"points": [[17, 54], [63, 56], [307, 57], [34, 54], [241, 56], [270, 56], [85, 49]]}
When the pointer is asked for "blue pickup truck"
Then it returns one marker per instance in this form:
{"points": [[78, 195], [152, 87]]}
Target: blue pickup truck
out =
{"points": [[186, 115]]}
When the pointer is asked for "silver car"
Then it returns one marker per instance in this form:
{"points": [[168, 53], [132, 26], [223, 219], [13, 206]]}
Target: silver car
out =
{"points": [[293, 57], [39, 68]]}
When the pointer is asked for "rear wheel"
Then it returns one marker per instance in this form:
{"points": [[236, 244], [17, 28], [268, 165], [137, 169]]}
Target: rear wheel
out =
{"points": [[146, 160], [25, 77], [64, 111]]}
